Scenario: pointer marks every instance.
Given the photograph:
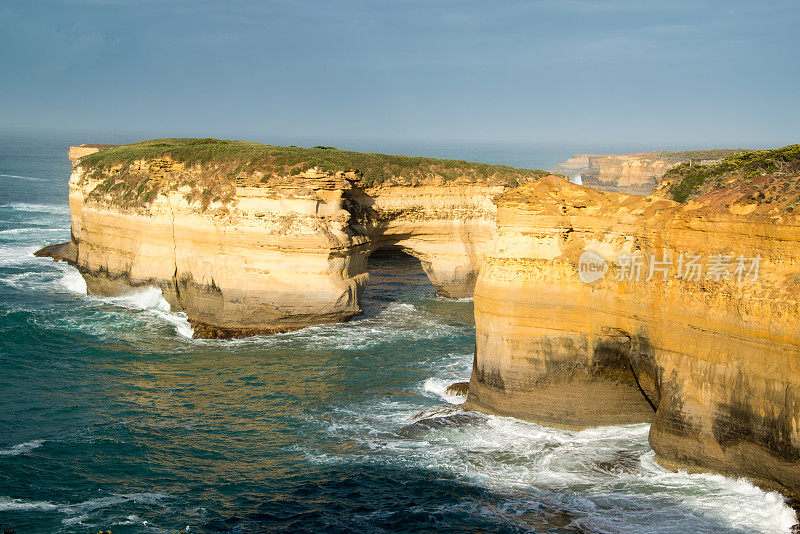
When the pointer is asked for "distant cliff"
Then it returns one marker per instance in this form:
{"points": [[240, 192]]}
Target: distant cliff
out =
{"points": [[596, 308], [77, 152], [248, 238], [636, 174]]}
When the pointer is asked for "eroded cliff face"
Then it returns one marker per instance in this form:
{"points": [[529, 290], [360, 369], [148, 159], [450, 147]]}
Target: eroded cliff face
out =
{"points": [[712, 359], [631, 173], [243, 253], [636, 174]]}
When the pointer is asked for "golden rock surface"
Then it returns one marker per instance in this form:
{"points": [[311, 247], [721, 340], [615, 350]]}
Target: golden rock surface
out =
{"points": [[711, 360]]}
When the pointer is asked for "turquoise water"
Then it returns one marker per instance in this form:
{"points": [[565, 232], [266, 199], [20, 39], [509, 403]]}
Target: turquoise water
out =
{"points": [[112, 417]]}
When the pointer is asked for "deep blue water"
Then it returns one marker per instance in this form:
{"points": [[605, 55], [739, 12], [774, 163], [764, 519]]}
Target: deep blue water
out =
{"points": [[111, 417]]}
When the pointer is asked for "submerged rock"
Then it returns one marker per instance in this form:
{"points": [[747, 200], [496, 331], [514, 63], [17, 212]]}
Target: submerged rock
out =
{"points": [[441, 418], [65, 252], [622, 462]]}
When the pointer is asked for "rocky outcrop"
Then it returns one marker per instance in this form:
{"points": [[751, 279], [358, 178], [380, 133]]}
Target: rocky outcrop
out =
{"points": [[574, 329], [243, 250], [632, 173], [636, 174]]}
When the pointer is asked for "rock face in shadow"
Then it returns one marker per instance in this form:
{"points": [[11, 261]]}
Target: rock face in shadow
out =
{"points": [[243, 252], [711, 360]]}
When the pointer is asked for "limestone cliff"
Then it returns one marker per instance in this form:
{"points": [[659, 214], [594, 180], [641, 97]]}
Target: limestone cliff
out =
{"points": [[248, 238], [632, 173], [574, 329]]}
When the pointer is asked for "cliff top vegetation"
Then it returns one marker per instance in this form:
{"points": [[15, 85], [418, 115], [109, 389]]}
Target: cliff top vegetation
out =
{"points": [[747, 171], [245, 157], [688, 155]]}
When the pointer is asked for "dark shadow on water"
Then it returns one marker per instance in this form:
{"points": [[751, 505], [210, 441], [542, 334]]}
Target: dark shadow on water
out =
{"points": [[381, 499], [395, 276], [392, 274], [371, 499]]}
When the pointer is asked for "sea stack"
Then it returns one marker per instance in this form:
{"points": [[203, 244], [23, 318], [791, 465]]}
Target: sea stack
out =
{"points": [[250, 239]]}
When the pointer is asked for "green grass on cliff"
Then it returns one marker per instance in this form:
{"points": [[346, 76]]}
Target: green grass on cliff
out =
{"points": [[291, 160], [687, 155], [690, 180]]}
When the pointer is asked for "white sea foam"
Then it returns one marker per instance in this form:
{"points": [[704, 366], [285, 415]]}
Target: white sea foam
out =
{"points": [[111, 500], [16, 280], [9, 504], [452, 367], [746, 504], [37, 208], [438, 386], [149, 298], [28, 178], [605, 478], [17, 255], [65, 277], [22, 448], [130, 520], [601, 476], [178, 320], [396, 322], [30, 230], [462, 299], [72, 281], [149, 301], [152, 300], [38, 273], [79, 512]]}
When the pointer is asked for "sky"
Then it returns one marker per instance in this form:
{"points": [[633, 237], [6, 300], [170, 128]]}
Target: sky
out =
{"points": [[688, 73]]}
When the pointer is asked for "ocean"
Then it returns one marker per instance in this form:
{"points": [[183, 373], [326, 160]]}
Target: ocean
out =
{"points": [[112, 417]]}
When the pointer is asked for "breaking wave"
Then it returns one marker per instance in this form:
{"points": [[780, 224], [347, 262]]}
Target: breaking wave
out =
{"points": [[28, 178], [152, 300], [37, 208], [79, 512], [22, 448], [604, 479]]}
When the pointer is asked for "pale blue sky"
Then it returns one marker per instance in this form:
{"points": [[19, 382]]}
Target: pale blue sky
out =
{"points": [[721, 73]]}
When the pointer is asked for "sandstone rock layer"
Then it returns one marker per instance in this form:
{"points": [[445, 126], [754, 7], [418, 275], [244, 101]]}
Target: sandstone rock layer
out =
{"points": [[243, 252], [633, 173], [713, 362]]}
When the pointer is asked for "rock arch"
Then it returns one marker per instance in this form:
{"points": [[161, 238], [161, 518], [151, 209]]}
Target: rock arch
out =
{"points": [[281, 257]]}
